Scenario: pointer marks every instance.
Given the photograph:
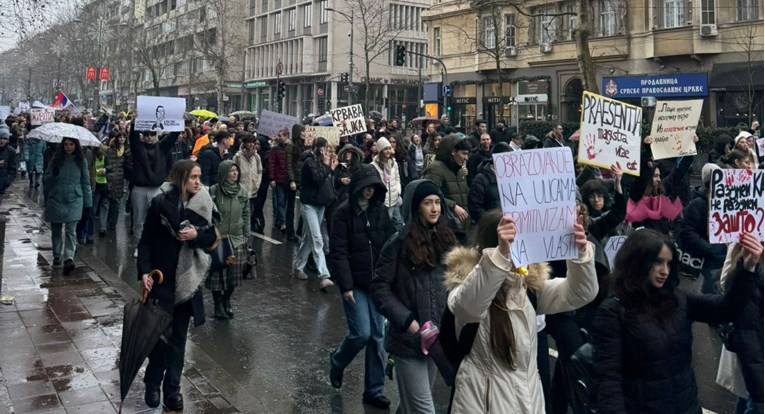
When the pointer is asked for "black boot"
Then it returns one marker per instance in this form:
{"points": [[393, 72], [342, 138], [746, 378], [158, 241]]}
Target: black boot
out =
{"points": [[227, 303], [220, 314], [37, 179]]}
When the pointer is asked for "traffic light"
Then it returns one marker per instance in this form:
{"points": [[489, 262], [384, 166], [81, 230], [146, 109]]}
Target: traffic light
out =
{"points": [[448, 104], [282, 89], [344, 77], [400, 55]]}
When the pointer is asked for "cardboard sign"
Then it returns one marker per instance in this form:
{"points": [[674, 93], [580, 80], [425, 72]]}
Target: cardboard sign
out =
{"points": [[538, 188], [5, 110], [331, 134], [612, 247], [610, 133], [39, 116], [160, 113], [735, 205], [673, 127], [349, 119], [271, 122], [760, 145]]}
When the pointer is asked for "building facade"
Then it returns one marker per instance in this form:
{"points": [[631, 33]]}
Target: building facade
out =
{"points": [[310, 44], [706, 49]]}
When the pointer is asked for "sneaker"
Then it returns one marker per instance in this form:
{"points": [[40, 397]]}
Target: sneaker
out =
{"points": [[300, 275], [335, 374], [326, 284], [68, 266], [102, 233], [56, 261], [378, 401]]}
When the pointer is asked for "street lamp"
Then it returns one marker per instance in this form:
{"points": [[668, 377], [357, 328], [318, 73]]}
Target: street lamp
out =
{"points": [[350, 51]]}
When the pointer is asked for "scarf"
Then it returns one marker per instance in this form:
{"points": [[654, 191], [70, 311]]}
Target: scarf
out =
{"points": [[193, 263], [230, 188]]}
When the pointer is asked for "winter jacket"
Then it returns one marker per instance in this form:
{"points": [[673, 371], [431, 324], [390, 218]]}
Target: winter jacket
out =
{"points": [[279, 163], [115, 172], [250, 172], [209, 159], [344, 170], [391, 179], [448, 175], [484, 194], [179, 151], [296, 158], [482, 384], [149, 161], [477, 157], [358, 235], [234, 210], [643, 365], [67, 191], [33, 151], [317, 182], [8, 167], [603, 224], [500, 135], [693, 230]]}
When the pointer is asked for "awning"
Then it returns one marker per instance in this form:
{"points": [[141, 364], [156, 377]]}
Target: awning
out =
{"points": [[735, 77]]}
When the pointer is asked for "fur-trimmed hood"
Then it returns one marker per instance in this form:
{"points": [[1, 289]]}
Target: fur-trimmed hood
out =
{"points": [[460, 262]]}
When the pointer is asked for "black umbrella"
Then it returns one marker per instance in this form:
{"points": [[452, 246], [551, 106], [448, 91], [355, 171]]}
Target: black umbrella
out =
{"points": [[142, 326]]}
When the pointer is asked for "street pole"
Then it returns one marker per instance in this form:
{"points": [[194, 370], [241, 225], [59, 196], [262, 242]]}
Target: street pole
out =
{"points": [[278, 98], [350, 65], [419, 90], [443, 72], [97, 104]]}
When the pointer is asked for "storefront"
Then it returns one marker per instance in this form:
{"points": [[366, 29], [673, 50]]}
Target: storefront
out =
{"points": [[463, 102], [496, 107], [532, 98], [736, 91]]}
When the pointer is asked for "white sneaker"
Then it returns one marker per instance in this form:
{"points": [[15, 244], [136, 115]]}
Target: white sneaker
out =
{"points": [[300, 275], [135, 253], [325, 284]]}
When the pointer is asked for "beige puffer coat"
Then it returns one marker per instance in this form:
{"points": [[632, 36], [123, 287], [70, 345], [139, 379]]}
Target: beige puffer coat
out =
{"points": [[484, 384]]}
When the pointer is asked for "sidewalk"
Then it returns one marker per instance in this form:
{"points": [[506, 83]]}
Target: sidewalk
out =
{"points": [[59, 340]]}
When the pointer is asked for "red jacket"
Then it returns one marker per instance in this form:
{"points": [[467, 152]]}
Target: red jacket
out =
{"points": [[279, 162]]}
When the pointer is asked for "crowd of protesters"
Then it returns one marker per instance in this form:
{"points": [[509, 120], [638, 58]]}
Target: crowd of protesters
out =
{"points": [[408, 226]]}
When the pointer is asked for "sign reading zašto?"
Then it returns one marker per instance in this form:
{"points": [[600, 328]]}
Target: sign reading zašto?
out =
{"points": [[661, 86]]}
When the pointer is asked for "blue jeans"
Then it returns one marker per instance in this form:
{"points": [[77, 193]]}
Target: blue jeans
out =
{"points": [[279, 201], [395, 217], [747, 406], [312, 240], [100, 210], [365, 328], [415, 378], [60, 246]]}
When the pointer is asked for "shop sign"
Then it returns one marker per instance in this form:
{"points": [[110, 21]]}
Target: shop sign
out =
{"points": [[531, 99], [257, 84], [234, 85], [463, 101], [495, 99], [677, 85]]}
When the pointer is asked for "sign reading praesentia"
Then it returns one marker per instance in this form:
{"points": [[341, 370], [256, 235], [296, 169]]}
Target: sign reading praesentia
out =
{"points": [[676, 85]]}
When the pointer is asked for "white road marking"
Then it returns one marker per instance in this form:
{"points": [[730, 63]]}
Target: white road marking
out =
{"points": [[266, 238]]}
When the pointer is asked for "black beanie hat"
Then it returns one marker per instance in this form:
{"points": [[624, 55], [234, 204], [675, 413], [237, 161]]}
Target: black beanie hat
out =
{"points": [[426, 188]]}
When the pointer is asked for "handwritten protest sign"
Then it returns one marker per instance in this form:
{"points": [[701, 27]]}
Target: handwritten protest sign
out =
{"points": [[39, 116], [673, 127], [349, 119], [538, 188], [271, 122], [612, 247], [610, 133], [332, 135], [5, 110], [735, 205], [761, 146], [160, 113]]}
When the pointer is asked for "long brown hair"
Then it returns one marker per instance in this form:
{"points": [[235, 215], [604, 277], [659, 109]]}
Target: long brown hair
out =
{"points": [[500, 325], [425, 245]]}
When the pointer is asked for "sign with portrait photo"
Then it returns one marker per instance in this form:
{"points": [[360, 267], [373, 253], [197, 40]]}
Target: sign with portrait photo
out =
{"points": [[160, 113]]}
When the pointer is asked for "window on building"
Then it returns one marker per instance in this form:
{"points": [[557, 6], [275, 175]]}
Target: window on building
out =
{"points": [[322, 47], [708, 12], [437, 41], [278, 23], [264, 6], [250, 32], [263, 23], [607, 18], [673, 13], [489, 33], [323, 12], [291, 19], [509, 30], [547, 27], [747, 10], [307, 15], [570, 22]]}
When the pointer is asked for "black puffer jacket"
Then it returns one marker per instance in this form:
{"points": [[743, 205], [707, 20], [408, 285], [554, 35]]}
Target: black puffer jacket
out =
{"points": [[358, 235], [483, 195], [643, 366], [8, 167], [149, 161], [477, 157], [693, 229], [748, 340], [317, 182]]}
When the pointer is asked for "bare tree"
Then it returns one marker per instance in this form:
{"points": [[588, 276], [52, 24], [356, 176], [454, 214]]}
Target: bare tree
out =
{"points": [[21, 19], [155, 54], [582, 39], [748, 45]]}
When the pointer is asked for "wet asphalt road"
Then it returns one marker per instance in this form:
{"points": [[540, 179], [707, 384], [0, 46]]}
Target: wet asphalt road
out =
{"points": [[278, 344]]}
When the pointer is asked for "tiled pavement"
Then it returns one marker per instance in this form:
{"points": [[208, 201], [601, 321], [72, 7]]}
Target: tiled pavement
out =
{"points": [[59, 340]]}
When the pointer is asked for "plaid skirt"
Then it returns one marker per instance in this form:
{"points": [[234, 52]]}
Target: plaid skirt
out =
{"points": [[230, 277]]}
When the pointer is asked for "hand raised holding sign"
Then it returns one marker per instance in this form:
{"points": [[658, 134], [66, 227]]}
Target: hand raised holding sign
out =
{"points": [[752, 251], [579, 236], [506, 234]]}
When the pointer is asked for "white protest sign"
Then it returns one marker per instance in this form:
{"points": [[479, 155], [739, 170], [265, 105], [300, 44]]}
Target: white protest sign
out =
{"points": [[350, 119], [538, 188], [735, 205], [761, 146], [160, 113], [612, 247], [673, 127], [610, 133], [5, 110], [271, 122], [39, 116], [331, 134]]}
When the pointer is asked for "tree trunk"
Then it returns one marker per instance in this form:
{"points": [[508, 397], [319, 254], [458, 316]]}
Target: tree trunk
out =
{"points": [[219, 83], [367, 65], [583, 56], [498, 62]]}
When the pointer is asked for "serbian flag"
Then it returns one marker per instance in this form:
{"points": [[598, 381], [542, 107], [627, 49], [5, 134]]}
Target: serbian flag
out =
{"points": [[61, 101]]}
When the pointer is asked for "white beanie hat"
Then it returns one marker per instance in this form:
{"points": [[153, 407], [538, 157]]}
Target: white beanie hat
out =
{"points": [[383, 143], [706, 172]]}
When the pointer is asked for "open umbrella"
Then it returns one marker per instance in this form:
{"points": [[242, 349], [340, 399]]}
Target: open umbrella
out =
{"points": [[142, 326], [243, 114], [56, 131], [324, 120], [203, 113], [424, 119]]}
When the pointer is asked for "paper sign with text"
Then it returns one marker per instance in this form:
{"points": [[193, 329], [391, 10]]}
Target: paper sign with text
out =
{"points": [[5, 110], [610, 133], [160, 113], [349, 119], [735, 205], [612, 247], [760, 146], [331, 134], [673, 127], [39, 116], [271, 122], [538, 188]]}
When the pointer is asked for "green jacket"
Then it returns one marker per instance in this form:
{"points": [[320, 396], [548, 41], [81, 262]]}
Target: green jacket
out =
{"points": [[68, 192], [234, 210]]}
